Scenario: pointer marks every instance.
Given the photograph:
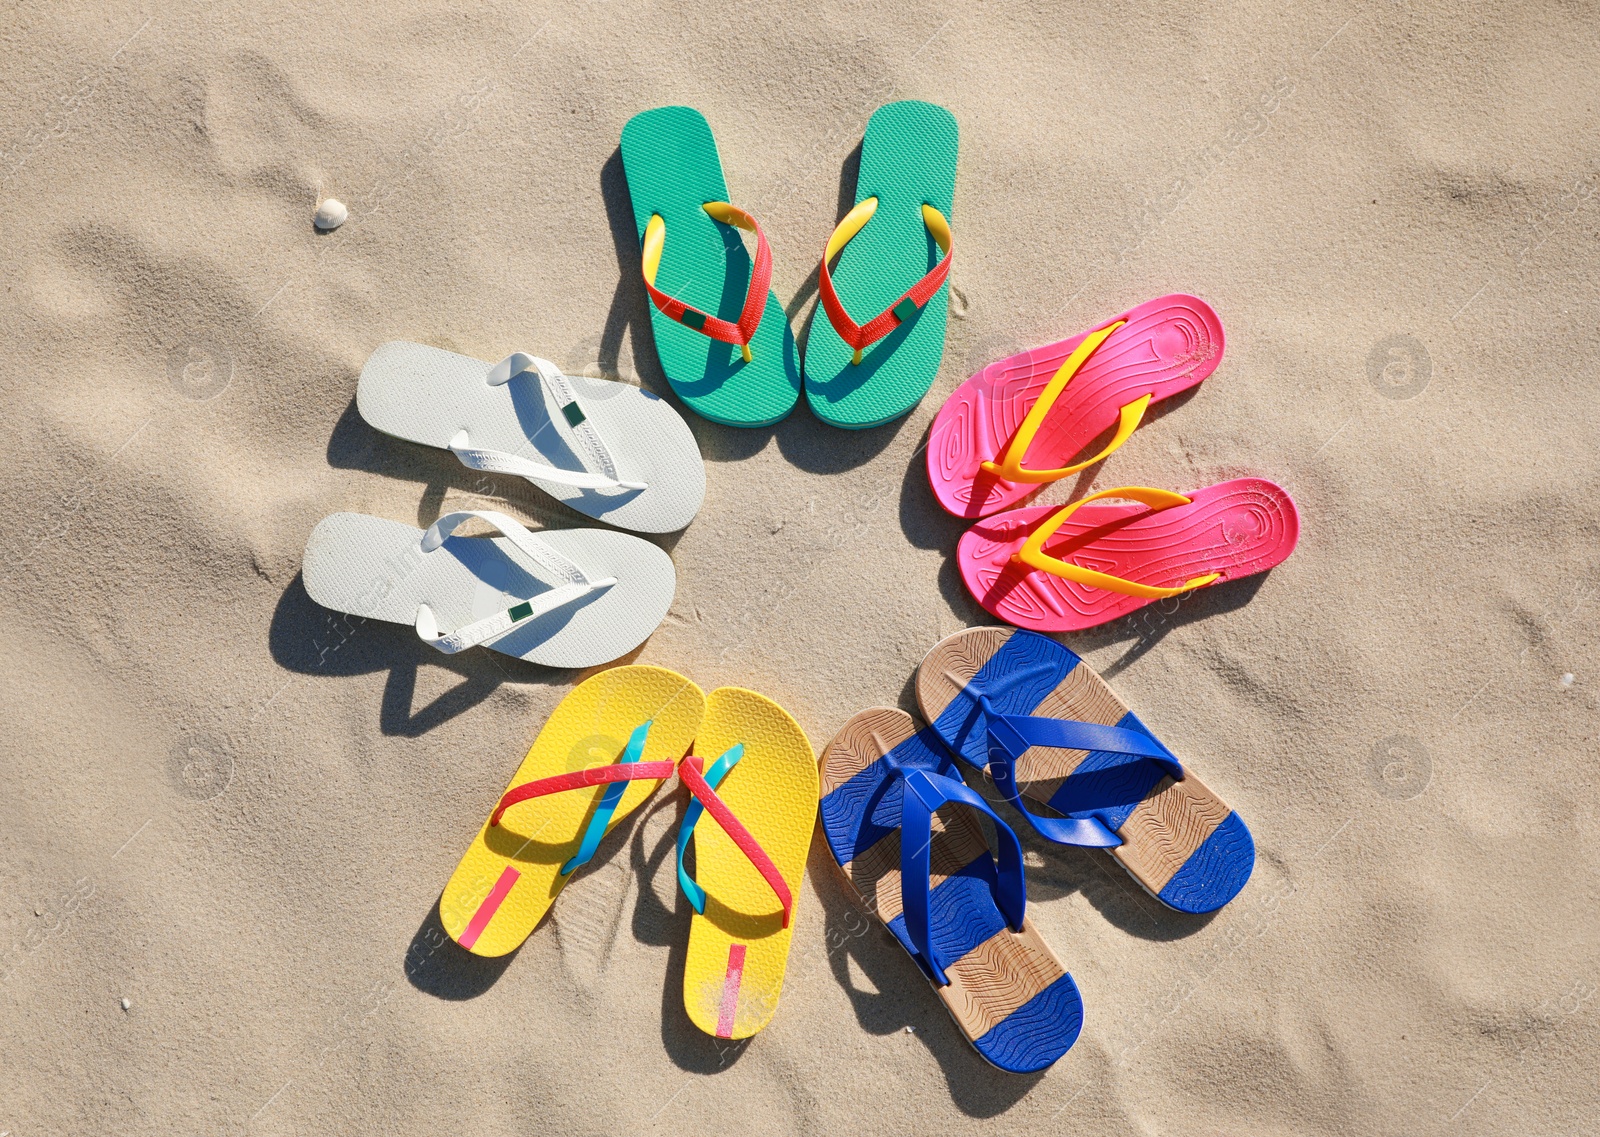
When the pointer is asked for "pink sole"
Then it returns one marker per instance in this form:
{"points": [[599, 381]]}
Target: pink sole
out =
{"points": [[1236, 528], [1169, 345]]}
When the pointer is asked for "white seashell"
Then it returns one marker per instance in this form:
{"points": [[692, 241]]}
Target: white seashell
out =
{"points": [[331, 214], [1568, 679], [126, 1003]]}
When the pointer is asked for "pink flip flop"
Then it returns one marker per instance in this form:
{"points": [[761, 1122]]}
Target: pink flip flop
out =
{"points": [[1020, 422], [1063, 569]]}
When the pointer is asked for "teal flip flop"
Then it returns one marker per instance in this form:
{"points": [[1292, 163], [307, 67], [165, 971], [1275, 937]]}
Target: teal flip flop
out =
{"points": [[861, 375], [724, 341]]}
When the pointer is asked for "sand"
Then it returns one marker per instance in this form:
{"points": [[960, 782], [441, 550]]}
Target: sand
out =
{"points": [[236, 810]]}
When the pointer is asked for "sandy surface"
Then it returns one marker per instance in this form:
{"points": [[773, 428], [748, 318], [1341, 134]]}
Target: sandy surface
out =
{"points": [[236, 811]]}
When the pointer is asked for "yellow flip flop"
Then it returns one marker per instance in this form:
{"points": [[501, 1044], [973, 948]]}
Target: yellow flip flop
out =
{"points": [[617, 734], [761, 793]]}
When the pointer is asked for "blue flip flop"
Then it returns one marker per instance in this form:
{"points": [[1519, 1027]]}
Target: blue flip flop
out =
{"points": [[958, 911], [1050, 732]]}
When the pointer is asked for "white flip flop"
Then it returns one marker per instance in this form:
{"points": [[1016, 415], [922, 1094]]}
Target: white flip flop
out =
{"points": [[607, 449], [561, 598]]}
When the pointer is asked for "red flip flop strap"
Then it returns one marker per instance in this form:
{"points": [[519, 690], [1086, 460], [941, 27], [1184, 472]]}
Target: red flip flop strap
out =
{"points": [[755, 297], [693, 776], [578, 779], [859, 336]]}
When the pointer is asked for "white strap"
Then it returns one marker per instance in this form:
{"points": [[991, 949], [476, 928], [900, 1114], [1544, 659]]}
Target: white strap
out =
{"points": [[573, 583], [501, 462], [497, 625], [588, 440]]}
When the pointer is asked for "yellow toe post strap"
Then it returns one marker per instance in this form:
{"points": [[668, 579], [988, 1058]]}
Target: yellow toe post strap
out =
{"points": [[1010, 465], [860, 336], [738, 334], [1033, 555]]}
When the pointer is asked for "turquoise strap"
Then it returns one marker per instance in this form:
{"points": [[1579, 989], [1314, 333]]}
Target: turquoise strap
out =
{"points": [[691, 817], [608, 803]]}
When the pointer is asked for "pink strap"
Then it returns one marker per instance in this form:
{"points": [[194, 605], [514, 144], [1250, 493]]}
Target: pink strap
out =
{"points": [[755, 298], [578, 779], [860, 336], [692, 771]]}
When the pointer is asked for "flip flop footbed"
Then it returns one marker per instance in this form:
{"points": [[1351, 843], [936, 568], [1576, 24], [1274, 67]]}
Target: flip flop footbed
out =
{"points": [[670, 159], [739, 948], [1181, 842], [427, 395], [1166, 346], [908, 160], [1235, 528], [371, 567], [511, 874], [1008, 992]]}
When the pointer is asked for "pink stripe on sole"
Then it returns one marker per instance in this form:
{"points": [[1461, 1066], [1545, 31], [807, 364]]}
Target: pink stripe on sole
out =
{"points": [[491, 905], [730, 991]]}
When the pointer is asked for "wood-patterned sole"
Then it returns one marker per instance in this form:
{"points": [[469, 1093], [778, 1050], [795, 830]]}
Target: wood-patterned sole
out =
{"points": [[1164, 830], [997, 977]]}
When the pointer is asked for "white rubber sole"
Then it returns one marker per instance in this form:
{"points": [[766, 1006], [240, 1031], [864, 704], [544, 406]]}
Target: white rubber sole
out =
{"points": [[366, 566], [427, 395]]}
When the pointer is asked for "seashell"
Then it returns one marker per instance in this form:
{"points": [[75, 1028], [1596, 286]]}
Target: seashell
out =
{"points": [[330, 214], [126, 1003]]}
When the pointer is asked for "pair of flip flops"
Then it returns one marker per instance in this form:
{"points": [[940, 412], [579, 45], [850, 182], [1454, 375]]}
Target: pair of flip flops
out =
{"points": [[563, 598], [722, 336], [1024, 421], [603, 752], [1052, 735]]}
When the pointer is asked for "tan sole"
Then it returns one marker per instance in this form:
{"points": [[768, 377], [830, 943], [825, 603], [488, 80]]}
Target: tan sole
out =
{"points": [[999, 975], [1164, 829]]}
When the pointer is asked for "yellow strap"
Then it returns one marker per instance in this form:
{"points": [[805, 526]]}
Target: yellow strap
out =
{"points": [[1010, 465], [857, 218], [853, 222], [1033, 555], [655, 236], [938, 226], [849, 227], [655, 239]]}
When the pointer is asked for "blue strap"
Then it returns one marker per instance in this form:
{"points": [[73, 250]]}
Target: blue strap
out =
{"points": [[1016, 733], [691, 817], [608, 803], [1010, 736], [924, 793]]}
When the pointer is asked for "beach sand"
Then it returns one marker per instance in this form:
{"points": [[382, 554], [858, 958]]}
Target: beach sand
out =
{"points": [[236, 810]]}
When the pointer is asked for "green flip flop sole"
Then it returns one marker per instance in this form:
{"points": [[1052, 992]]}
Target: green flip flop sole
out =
{"points": [[671, 163], [908, 159]]}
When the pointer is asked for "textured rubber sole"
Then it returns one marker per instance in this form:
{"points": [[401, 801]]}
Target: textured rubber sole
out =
{"points": [[426, 395], [1236, 528], [1167, 346], [373, 567], [671, 162], [510, 874], [1181, 842], [1008, 993], [739, 948], [908, 159]]}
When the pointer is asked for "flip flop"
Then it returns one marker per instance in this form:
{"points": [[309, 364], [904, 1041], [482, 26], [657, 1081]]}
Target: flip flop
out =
{"points": [[561, 598], [1021, 421], [892, 275], [1064, 569], [886, 786], [724, 341], [606, 449], [616, 736], [1051, 732], [755, 773]]}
